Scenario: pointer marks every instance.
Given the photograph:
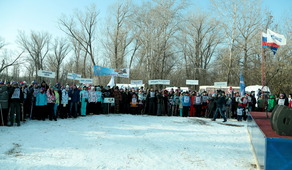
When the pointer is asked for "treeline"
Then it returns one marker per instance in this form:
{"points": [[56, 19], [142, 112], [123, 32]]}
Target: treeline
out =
{"points": [[169, 39]]}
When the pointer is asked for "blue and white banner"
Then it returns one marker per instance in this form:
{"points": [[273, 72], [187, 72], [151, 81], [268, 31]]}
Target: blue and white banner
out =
{"points": [[242, 85], [48, 74], [161, 82], [73, 76], [85, 81], [124, 72]]}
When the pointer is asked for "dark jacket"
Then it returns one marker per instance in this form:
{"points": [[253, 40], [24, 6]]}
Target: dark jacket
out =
{"points": [[74, 94], [16, 95], [221, 101]]}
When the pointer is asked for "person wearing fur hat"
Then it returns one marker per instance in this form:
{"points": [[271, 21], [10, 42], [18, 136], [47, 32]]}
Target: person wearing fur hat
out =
{"points": [[16, 99], [83, 101]]}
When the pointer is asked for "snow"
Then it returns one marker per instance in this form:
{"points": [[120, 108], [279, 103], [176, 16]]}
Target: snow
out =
{"points": [[120, 141]]}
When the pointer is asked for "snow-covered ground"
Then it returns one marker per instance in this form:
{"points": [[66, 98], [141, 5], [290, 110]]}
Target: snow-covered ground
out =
{"points": [[118, 141]]}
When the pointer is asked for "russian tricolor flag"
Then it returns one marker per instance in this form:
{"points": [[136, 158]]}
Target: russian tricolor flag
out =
{"points": [[265, 44]]}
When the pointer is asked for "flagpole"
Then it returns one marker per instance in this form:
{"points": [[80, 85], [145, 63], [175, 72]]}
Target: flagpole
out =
{"points": [[263, 69]]}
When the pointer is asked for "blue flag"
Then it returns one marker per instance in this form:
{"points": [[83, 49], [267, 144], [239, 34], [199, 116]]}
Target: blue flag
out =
{"points": [[242, 85]]}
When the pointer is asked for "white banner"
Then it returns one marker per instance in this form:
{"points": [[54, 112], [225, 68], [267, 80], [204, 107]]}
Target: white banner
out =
{"points": [[192, 82], [162, 82], [73, 76], [136, 82], [109, 100], [85, 81], [48, 74], [220, 84]]}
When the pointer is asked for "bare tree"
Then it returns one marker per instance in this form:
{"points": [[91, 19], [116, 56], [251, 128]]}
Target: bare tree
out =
{"points": [[199, 39], [37, 46], [82, 28], [60, 50], [7, 60], [158, 22]]}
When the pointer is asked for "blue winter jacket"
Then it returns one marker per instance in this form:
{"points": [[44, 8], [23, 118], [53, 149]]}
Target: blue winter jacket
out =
{"points": [[41, 99], [99, 96], [75, 96], [186, 100]]}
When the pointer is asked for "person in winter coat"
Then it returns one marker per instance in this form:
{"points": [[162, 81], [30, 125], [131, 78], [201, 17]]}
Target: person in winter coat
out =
{"points": [[64, 103], [192, 107], [151, 98], [220, 102], [228, 106], [74, 98], [134, 104], [271, 103], [106, 94], [57, 103], [198, 105], [176, 103], [83, 101], [241, 109], [4, 107], [181, 95], [118, 98], [186, 103], [204, 103], [92, 100], [211, 106], [16, 99], [290, 100], [99, 101], [283, 100], [51, 103], [141, 100], [159, 99], [41, 104]]}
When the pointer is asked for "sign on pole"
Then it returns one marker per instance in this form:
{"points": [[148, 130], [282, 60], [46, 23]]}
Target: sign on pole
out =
{"points": [[85, 81], [192, 82], [136, 82], [48, 74], [162, 82], [73, 76], [220, 84], [109, 100]]}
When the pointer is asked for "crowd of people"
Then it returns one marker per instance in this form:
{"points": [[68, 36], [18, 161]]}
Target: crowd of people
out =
{"points": [[20, 101]]}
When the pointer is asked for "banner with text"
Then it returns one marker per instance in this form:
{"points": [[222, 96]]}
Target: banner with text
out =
{"points": [[192, 82], [85, 81], [48, 74], [136, 82], [73, 76], [162, 82], [124, 72], [220, 84]]}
